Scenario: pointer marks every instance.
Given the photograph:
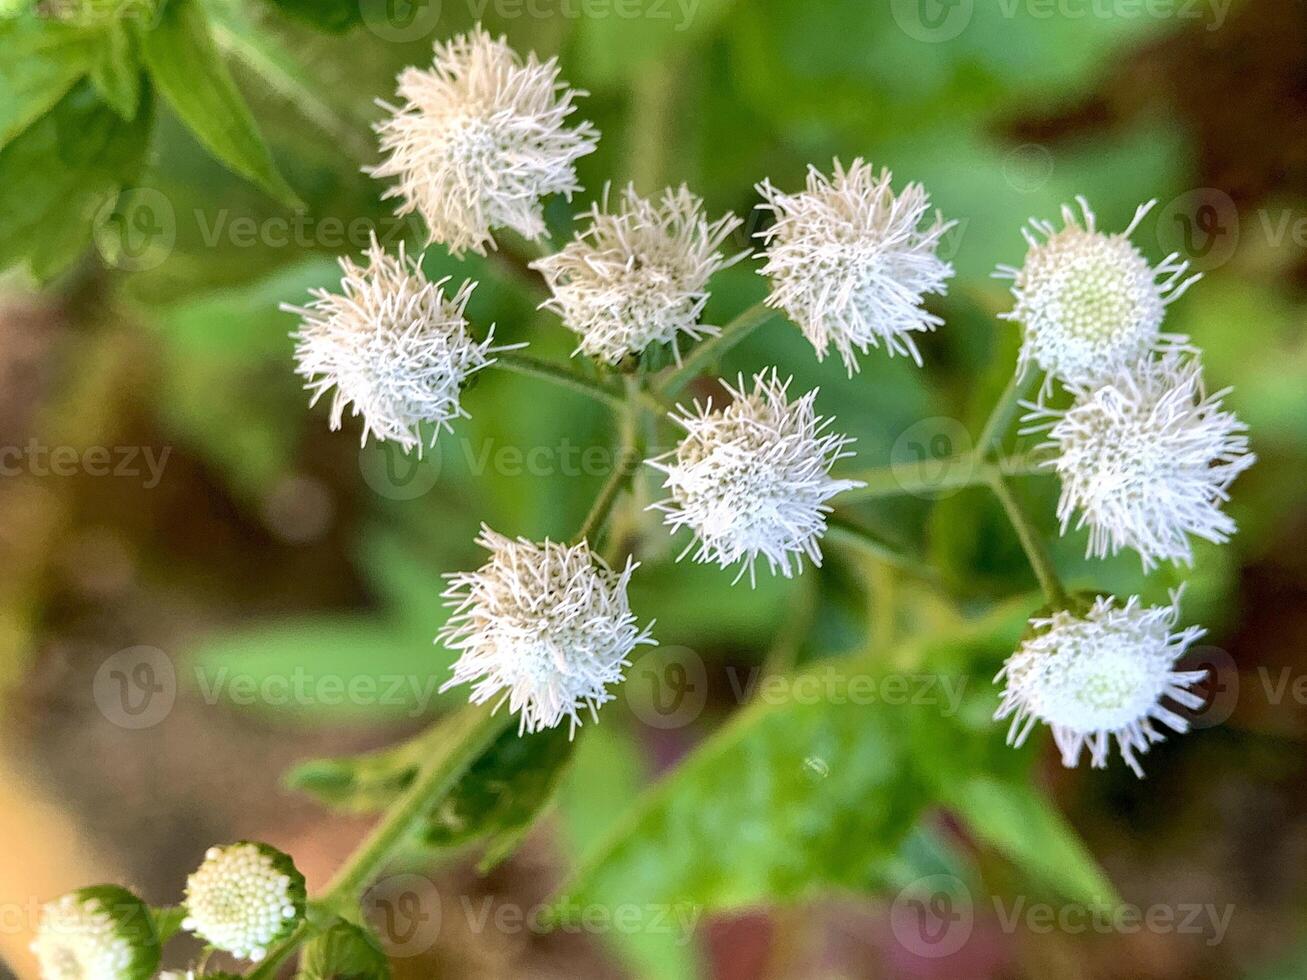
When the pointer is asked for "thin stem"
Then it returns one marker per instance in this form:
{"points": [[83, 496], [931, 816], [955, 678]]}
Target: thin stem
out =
{"points": [[278, 954], [1000, 419], [845, 531], [730, 335], [1032, 544], [473, 729], [623, 467], [533, 367]]}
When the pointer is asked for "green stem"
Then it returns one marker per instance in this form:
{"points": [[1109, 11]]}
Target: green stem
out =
{"points": [[1033, 545], [623, 467], [473, 729], [845, 531], [533, 367], [278, 954], [1000, 419], [714, 347]]}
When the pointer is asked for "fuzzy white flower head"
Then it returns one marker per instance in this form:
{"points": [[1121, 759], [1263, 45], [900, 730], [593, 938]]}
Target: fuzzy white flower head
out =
{"points": [[753, 478], [394, 345], [850, 262], [1099, 677], [638, 275], [98, 933], [243, 898], [480, 140], [546, 627], [1089, 303], [1147, 460]]}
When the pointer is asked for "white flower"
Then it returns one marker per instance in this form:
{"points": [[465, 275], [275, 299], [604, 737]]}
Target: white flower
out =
{"points": [[98, 933], [548, 625], [753, 477], [394, 345], [850, 262], [243, 898], [1101, 676], [480, 140], [1146, 460], [1089, 303], [638, 275]]}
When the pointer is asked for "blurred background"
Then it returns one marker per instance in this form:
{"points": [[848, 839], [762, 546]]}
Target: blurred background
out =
{"points": [[202, 586]]}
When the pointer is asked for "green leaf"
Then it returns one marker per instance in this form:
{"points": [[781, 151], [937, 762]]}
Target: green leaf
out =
{"points": [[116, 73], [366, 783], [1019, 822], [789, 798], [184, 62], [344, 951], [40, 60], [502, 793], [167, 921], [60, 175]]}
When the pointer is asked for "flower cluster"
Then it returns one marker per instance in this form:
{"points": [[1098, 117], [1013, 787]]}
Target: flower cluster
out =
{"points": [[1145, 457], [393, 345], [638, 275], [1146, 460], [545, 627], [1089, 304], [243, 898], [851, 263], [99, 933], [753, 478], [480, 139], [1100, 676]]}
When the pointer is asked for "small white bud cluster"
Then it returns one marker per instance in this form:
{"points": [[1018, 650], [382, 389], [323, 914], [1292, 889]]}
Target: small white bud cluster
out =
{"points": [[243, 898], [638, 275], [1147, 460], [1089, 303], [752, 478], [479, 140], [546, 627], [394, 346], [1100, 676], [851, 263], [98, 933]]}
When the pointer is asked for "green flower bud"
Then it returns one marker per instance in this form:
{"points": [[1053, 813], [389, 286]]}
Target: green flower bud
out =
{"points": [[243, 898], [103, 932]]}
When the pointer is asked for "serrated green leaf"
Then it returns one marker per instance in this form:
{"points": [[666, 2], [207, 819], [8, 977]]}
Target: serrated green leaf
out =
{"points": [[58, 175], [40, 60], [184, 62], [501, 794]]}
